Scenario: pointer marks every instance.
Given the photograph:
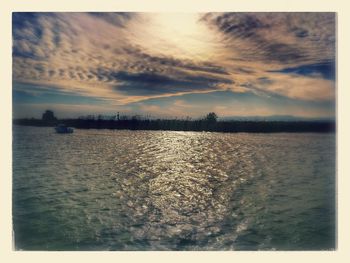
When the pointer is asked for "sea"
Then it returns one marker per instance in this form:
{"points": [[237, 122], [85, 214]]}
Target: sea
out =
{"points": [[122, 190]]}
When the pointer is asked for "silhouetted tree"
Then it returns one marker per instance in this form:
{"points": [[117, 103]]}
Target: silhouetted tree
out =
{"points": [[48, 116], [209, 122], [211, 117]]}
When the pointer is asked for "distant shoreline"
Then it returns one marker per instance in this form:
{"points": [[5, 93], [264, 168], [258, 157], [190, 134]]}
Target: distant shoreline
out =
{"points": [[188, 125]]}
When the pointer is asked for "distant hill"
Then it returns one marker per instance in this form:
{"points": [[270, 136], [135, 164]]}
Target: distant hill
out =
{"points": [[273, 118]]}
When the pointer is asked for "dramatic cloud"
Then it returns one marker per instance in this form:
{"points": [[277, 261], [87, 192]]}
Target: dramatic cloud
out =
{"points": [[276, 38], [324, 70], [125, 58]]}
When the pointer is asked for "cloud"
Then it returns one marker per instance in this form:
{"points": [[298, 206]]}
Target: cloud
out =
{"points": [[294, 87], [325, 70], [274, 38], [123, 58], [260, 45], [206, 67], [118, 19], [154, 84], [95, 54]]}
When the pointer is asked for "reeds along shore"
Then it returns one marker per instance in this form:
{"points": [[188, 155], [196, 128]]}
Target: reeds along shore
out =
{"points": [[209, 123]]}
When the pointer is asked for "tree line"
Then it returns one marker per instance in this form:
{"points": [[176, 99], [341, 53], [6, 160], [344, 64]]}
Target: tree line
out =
{"points": [[209, 122]]}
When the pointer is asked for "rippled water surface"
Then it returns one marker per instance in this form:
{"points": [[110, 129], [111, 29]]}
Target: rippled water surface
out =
{"points": [[163, 190]]}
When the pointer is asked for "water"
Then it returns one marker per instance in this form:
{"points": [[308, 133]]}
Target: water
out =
{"points": [[164, 190]]}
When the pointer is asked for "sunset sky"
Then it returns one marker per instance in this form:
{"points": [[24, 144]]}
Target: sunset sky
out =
{"points": [[174, 64]]}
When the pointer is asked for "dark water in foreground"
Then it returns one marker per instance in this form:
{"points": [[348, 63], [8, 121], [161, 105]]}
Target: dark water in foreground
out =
{"points": [[154, 190]]}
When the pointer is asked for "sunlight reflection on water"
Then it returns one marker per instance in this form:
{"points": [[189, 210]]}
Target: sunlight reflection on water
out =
{"points": [[144, 190]]}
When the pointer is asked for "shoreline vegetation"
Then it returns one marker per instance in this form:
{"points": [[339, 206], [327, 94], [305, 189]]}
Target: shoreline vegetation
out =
{"points": [[208, 123]]}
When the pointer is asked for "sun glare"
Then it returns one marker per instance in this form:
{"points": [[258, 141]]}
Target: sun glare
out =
{"points": [[184, 24], [179, 34]]}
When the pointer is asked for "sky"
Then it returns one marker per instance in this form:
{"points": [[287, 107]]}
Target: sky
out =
{"points": [[174, 64]]}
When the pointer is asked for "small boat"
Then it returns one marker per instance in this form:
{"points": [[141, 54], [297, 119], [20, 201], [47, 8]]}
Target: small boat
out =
{"points": [[61, 128]]}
